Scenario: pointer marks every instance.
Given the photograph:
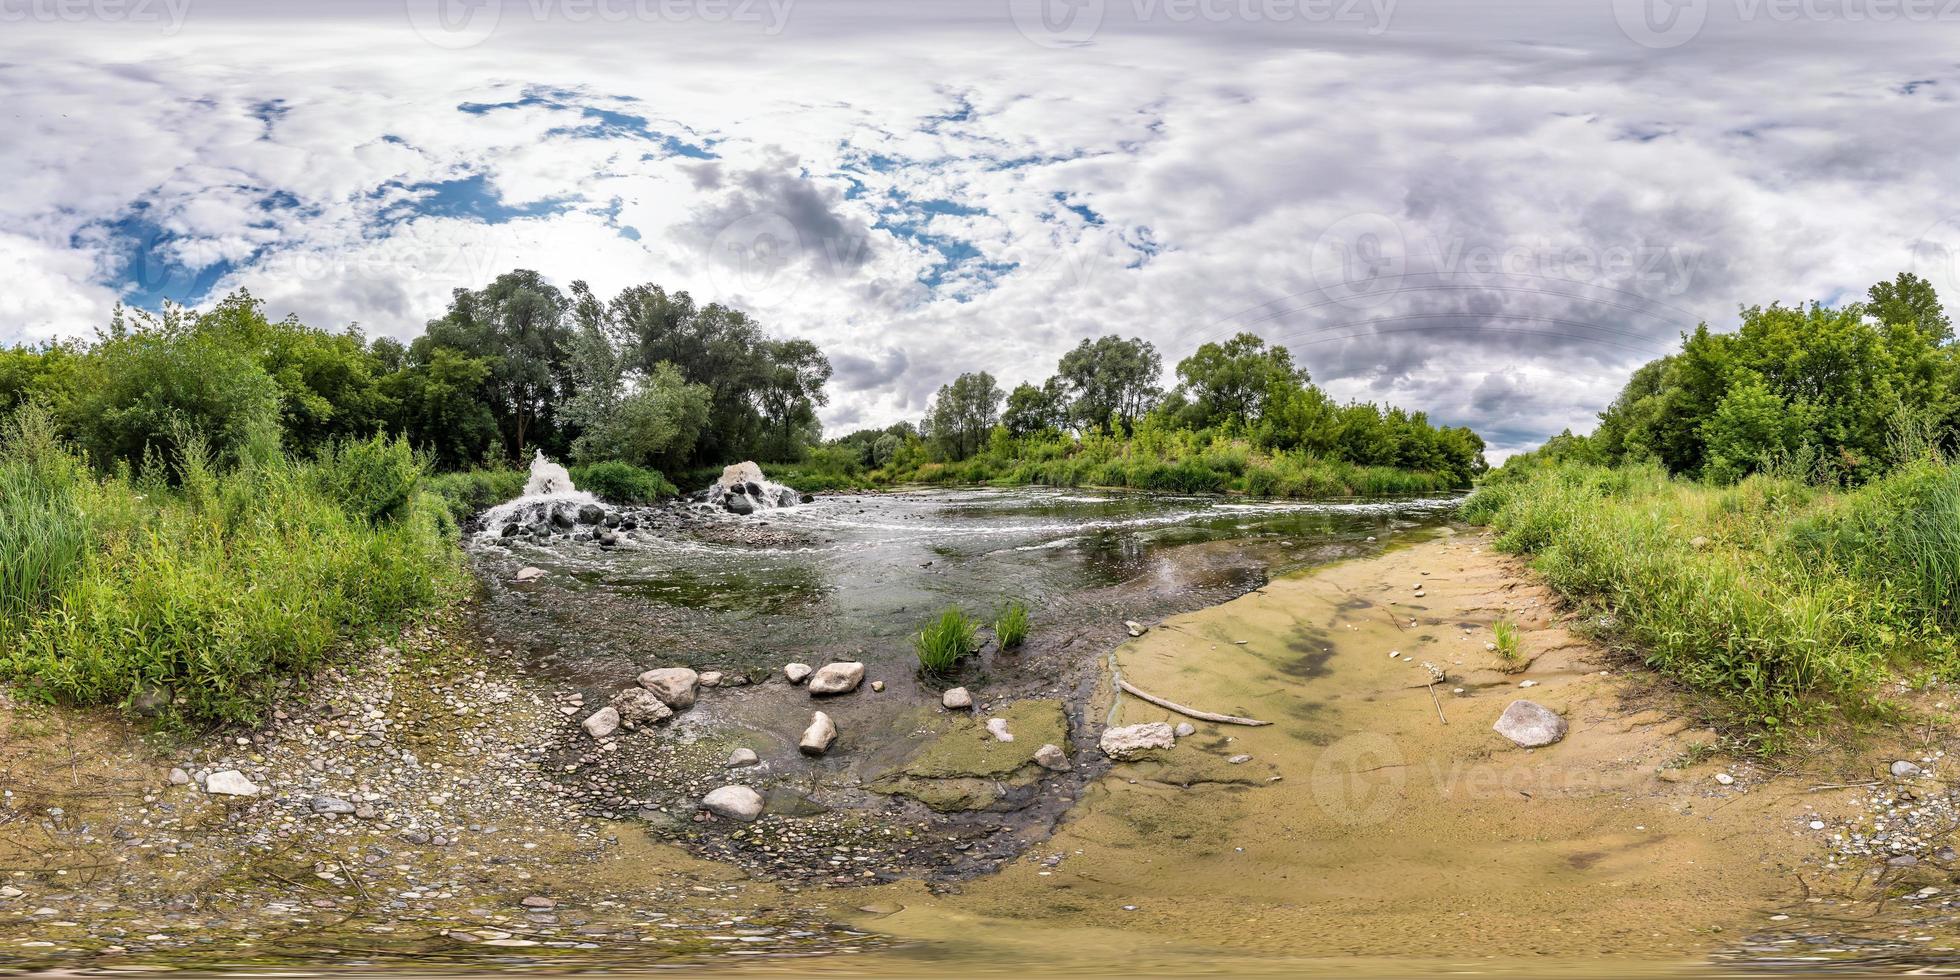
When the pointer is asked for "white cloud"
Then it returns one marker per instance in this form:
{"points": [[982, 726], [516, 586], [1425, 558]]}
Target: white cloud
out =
{"points": [[1543, 215]]}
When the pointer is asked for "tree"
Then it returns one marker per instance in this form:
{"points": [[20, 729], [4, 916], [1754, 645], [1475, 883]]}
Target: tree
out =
{"points": [[1031, 409], [517, 323], [789, 390], [962, 414], [1229, 383], [1110, 379], [1911, 301], [437, 406]]}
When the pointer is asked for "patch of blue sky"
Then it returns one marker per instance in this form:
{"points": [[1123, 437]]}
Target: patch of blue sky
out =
{"points": [[464, 197], [596, 122], [147, 263]]}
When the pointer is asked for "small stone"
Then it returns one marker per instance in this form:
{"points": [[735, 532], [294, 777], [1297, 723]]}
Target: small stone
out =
{"points": [[230, 782], [1135, 628], [998, 728], [1530, 724], [1239, 759], [1527, 683], [957, 699], [9, 891], [1905, 770], [1902, 861], [817, 738], [1725, 779], [734, 803], [602, 722], [838, 678], [538, 902], [741, 758], [1817, 825], [674, 686], [179, 777], [797, 673], [1185, 729], [1052, 757], [331, 804], [878, 686], [530, 574], [711, 678], [1130, 742]]}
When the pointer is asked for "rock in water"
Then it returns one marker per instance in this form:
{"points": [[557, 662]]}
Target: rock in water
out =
{"points": [[1130, 742], [797, 673], [638, 706], [739, 504], [529, 574], [1530, 724], [957, 699], [591, 513], [1052, 757], [672, 685], [734, 803], [838, 678], [1185, 729], [817, 737], [231, 782], [602, 723], [741, 758], [998, 727]]}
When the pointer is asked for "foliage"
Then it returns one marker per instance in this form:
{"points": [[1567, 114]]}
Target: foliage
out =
{"points": [[1011, 628], [1110, 381], [1228, 384], [1773, 595], [516, 326], [945, 641], [373, 480], [468, 493], [218, 585], [1505, 633], [962, 414], [623, 483]]}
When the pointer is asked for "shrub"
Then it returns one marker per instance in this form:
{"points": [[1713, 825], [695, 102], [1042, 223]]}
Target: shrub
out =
{"points": [[623, 483], [372, 480], [472, 492], [43, 533], [945, 641], [1011, 629]]}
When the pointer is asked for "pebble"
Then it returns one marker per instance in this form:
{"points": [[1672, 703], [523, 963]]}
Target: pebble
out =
{"points": [[797, 673], [998, 727], [230, 782], [957, 699], [1052, 757], [1903, 769], [1725, 779], [602, 723], [818, 737], [1185, 729], [742, 757], [1239, 759]]}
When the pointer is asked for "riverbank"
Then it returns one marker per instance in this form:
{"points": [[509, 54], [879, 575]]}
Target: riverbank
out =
{"points": [[422, 807]]}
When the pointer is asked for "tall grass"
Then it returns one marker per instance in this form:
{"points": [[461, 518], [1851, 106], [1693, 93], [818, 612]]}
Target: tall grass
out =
{"points": [[945, 641], [1011, 628], [1782, 599], [1223, 468], [217, 586], [1508, 645]]}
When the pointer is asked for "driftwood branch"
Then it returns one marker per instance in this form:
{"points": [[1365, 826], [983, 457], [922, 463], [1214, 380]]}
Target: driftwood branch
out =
{"points": [[1191, 712]]}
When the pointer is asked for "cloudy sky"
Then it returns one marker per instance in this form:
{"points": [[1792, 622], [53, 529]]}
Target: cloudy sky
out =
{"points": [[1490, 213]]}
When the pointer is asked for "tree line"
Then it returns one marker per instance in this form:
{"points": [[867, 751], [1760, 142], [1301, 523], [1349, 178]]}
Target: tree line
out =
{"points": [[1826, 391]]}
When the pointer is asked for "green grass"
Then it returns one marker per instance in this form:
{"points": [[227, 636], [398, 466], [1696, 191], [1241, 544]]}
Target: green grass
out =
{"points": [[218, 586], [945, 641], [1794, 603], [1011, 628], [1506, 633], [1223, 470]]}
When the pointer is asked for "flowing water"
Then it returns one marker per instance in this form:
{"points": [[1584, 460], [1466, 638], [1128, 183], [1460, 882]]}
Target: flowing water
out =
{"points": [[854, 576]]}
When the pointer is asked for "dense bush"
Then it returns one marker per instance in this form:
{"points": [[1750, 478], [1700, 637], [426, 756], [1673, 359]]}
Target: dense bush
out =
{"points": [[373, 479], [215, 587], [472, 492], [622, 483]]}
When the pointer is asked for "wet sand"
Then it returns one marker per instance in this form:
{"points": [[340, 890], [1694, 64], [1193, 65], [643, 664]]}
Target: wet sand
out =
{"points": [[1365, 825]]}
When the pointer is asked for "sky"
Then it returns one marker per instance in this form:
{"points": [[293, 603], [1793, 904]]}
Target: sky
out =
{"points": [[1488, 212]]}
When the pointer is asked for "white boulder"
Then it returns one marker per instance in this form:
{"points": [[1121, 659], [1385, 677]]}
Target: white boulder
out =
{"points": [[734, 803], [797, 673], [1130, 742], [837, 678], [1530, 724], [230, 782], [602, 722], [674, 686], [957, 699], [817, 737]]}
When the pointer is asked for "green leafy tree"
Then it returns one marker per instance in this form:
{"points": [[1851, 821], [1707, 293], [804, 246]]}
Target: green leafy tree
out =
{"points": [[1031, 409], [1911, 301], [518, 325], [438, 407], [963, 413], [1229, 383], [1110, 381]]}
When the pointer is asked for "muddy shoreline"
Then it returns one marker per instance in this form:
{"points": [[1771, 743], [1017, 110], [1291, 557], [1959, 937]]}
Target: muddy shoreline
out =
{"points": [[1362, 829]]}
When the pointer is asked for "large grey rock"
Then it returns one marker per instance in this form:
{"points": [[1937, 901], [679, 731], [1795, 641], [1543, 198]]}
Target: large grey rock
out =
{"points": [[957, 699], [739, 504], [639, 707], [674, 686], [817, 737], [1903, 769], [838, 678], [734, 803], [1530, 724], [602, 722], [230, 782], [1130, 742], [1052, 757], [797, 673], [742, 758]]}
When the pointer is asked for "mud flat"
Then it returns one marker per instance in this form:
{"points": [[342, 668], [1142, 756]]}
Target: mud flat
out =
{"points": [[1380, 820]]}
